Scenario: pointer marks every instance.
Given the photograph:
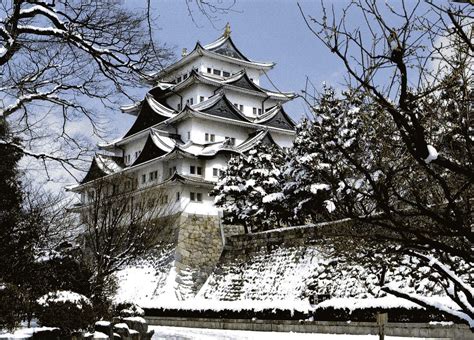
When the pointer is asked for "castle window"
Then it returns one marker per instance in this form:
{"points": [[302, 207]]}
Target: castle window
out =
{"points": [[195, 170], [209, 70], [206, 137], [195, 196], [178, 196], [185, 76], [226, 74], [153, 175], [241, 107], [231, 140], [178, 80], [217, 72], [189, 135], [143, 179], [215, 172], [254, 110], [179, 106], [259, 111], [201, 99], [212, 137]]}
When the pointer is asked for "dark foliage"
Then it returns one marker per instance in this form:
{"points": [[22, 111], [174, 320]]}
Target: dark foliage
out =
{"points": [[69, 316]]}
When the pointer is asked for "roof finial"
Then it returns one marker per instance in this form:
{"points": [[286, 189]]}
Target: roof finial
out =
{"points": [[227, 30]]}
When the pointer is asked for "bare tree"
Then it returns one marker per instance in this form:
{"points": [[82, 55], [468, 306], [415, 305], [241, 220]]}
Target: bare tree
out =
{"points": [[411, 185], [120, 224], [59, 60]]}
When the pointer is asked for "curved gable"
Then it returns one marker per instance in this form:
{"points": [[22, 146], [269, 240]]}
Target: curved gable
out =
{"points": [[146, 118]]}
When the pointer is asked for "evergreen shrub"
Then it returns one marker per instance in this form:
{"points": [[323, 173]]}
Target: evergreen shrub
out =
{"points": [[69, 311]]}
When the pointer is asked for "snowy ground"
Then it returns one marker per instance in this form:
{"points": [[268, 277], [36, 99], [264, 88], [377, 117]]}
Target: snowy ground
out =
{"points": [[184, 333], [22, 333]]}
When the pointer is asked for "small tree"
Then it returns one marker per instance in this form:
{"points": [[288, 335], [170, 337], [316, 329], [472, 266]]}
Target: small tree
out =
{"points": [[250, 189]]}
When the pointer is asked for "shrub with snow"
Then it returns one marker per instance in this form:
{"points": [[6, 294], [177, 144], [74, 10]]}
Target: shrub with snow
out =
{"points": [[128, 309], [68, 311]]}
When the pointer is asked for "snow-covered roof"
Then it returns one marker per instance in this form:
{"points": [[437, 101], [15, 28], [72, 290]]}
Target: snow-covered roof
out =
{"points": [[217, 107], [222, 49], [276, 117], [156, 146], [253, 139], [103, 165], [239, 82], [151, 113]]}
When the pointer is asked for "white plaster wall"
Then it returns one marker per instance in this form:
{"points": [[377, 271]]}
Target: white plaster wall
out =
{"points": [[221, 130], [249, 102], [183, 70], [190, 92], [133, 146], [206, 207], [153, 166], [224, 66], [219, 162], [183, 128]]}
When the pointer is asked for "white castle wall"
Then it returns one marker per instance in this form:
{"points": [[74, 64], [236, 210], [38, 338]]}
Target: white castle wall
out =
{"points": [[200, 127]]}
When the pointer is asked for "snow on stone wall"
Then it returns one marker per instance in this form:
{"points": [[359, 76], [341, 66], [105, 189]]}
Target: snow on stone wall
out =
{"points": [[287, 264], [153, 276]]}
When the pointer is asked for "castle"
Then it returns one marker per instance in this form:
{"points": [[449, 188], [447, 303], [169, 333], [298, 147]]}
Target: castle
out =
{"points": [[202, 110]]}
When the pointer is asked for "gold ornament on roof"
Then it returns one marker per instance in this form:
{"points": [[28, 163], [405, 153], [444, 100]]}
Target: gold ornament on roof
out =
{"points": [[227, 30]]}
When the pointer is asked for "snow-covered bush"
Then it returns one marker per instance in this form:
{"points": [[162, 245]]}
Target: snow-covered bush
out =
{"points": [[128, 309], [66, 310]]}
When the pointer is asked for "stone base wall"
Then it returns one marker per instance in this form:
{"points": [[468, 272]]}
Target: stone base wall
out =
{"points": [[454, 332], [197, 253]]}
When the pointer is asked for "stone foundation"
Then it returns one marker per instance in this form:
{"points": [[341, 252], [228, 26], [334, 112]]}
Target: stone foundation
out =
{"points": [[198, 250]]}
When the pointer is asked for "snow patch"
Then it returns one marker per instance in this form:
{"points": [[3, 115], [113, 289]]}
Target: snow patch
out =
{"points": [[317, 187], [277, 196], [432, 154], [62, 296]]}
